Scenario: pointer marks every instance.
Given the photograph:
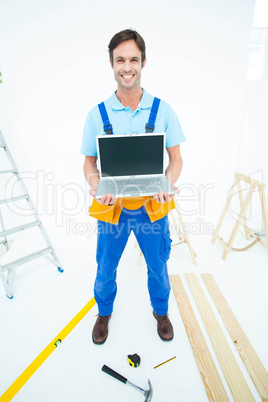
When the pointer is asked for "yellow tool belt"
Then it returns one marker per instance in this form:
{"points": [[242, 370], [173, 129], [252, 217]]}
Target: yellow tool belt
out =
{"points": [[111, 213]]}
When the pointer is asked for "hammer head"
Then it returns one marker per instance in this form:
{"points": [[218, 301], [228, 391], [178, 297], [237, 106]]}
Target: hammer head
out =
{"points": [[148, 394]]}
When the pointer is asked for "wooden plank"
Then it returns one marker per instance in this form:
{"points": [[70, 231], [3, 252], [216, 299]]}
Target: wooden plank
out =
{"points": [[230, 368], [247, 353], [210, 376]]}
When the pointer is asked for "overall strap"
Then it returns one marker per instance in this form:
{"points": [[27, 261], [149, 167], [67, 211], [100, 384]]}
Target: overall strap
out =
{"points": [[107, 127], [149, 127]]}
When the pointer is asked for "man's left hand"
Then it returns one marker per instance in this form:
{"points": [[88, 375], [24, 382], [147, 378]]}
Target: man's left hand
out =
{"points": [[165, 197]]}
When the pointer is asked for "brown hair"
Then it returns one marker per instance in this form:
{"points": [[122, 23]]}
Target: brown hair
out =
{"points": [[123, 36]]}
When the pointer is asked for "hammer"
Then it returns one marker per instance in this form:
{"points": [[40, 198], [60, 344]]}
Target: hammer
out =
{"points": [[148, 394]]}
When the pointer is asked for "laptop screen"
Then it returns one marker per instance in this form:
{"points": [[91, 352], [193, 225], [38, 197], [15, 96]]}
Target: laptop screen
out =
{"points": [[129, 155]]}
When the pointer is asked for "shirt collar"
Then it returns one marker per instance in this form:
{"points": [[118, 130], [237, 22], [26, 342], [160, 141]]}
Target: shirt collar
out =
{"points": [[145, 103]]}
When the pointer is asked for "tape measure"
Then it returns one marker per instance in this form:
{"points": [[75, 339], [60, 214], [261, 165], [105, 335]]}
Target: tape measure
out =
{"points": [[134, 360]]}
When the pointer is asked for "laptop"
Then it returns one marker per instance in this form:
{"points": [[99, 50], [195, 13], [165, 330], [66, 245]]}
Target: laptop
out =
{"points": [[132, 165]]}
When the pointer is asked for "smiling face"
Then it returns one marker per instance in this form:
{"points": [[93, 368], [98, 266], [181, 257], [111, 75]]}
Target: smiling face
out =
{"points": [[127, 65]]}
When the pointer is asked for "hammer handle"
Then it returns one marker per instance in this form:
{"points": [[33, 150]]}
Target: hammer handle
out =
{"points": [[114, 374]]}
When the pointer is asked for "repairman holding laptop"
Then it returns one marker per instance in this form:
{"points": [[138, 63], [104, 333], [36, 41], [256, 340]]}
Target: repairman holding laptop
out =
{"points": [[130, 110]]}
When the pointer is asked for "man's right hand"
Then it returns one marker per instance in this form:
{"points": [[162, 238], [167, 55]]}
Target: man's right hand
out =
{"points": [[108, 199]]}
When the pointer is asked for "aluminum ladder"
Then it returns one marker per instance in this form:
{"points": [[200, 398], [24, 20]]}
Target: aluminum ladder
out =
{"points": [[8, 271]]}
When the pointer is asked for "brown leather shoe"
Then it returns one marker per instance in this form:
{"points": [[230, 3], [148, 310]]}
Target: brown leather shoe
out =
{"points": [[164, 327], [100, 330]]}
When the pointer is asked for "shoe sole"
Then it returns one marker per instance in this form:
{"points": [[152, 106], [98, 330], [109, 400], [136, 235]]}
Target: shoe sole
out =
{"points": [[99, 343], [163, 339]]}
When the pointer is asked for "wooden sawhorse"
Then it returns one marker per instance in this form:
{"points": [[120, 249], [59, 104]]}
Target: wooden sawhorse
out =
{"points": [[244, 204]]}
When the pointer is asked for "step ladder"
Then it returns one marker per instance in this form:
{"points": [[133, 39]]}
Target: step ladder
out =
{"points": [[8, 271]]}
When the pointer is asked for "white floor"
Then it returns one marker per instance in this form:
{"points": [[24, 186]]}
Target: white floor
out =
{"points": [[45, 301]]}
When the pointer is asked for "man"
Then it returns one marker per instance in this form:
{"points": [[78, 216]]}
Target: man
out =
{"points": [[128, 111]]}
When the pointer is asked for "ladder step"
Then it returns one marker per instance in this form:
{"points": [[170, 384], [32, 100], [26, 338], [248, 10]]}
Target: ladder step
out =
{"points": [[19, 228], [8, 171], [27, 258], [48, 253], [17, 198]]}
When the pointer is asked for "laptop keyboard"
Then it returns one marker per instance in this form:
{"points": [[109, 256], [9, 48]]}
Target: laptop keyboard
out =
{"points": [[131, 182]]}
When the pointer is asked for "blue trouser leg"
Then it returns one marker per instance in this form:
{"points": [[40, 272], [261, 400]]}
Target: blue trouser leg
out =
{"points": [[111, 242], [155, 243]]}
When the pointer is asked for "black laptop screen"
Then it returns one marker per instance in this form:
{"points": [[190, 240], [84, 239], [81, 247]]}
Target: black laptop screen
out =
{"points": [[134, 155]]}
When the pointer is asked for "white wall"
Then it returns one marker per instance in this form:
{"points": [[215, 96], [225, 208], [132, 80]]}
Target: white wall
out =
{"points": [[54, 61], [253, 143]]}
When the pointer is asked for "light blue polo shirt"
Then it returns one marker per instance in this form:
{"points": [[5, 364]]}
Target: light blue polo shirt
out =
{"points": [[125, 121]]}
